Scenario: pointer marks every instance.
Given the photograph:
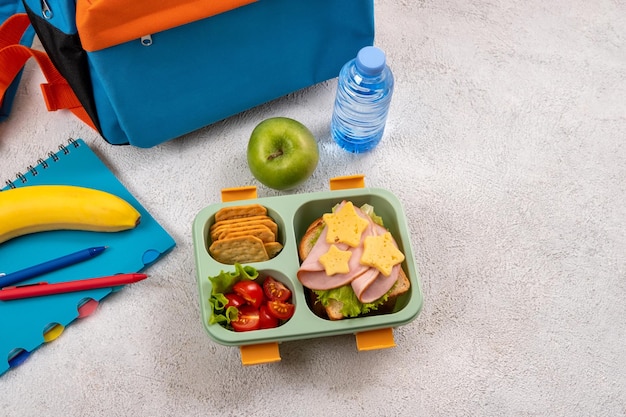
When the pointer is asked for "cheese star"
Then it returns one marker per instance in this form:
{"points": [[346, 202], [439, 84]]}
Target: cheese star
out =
{"points": [[381, 253], [345, 226], [335, 261]]}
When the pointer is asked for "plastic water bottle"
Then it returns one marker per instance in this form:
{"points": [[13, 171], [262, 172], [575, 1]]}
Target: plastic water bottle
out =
{"points": [[364, 91]]}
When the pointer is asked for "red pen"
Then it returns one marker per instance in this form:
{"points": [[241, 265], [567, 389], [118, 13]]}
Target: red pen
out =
{"points": [[43, 288]]}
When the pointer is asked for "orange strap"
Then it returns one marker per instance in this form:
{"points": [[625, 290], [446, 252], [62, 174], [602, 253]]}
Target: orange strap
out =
{"points": [[13, 29], [57, 92]]}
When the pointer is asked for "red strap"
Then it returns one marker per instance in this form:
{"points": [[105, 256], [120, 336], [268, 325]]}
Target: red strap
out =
{"points": [[13, 29], [13, 56]]}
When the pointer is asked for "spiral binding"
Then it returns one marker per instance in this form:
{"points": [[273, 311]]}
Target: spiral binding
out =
{"points": [[43, 163]]}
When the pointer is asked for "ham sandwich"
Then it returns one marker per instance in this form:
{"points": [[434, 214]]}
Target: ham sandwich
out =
{"points": [[368, 282]]}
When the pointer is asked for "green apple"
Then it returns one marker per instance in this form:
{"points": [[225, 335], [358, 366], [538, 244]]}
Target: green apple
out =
{"points": [[282, 153]]}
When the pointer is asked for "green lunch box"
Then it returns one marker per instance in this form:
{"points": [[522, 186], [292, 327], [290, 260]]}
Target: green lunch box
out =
{"points": [[293, 214]]}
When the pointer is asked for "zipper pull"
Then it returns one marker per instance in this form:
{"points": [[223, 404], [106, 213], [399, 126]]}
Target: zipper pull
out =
{"points": [[46, 11], [146, 40]]}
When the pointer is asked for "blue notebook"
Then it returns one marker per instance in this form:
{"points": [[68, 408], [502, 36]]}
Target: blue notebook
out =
{"points": [[28, 323]]}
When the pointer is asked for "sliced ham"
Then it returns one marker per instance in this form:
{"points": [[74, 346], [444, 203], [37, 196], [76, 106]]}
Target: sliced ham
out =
{"points": [[370, 290], [318, 280], [311, 263], [312, 274], [361, 283], [367, 282]]}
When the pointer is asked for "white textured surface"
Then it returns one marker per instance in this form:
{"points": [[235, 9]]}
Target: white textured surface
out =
{"points": [[506, 145]]}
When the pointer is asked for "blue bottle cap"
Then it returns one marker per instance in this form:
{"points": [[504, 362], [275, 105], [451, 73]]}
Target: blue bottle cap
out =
{"points": [[370, 60]]}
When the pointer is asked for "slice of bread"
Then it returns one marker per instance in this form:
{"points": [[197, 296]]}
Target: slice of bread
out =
{"points": [[333, 310]]}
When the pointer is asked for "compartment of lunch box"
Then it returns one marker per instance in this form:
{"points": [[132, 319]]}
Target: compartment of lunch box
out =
{"points": [[272, 213], [290, 326], [386, 206]]}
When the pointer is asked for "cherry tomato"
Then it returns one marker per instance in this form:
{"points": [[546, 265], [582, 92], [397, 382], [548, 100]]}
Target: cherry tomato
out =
{"points": [[280, 309], [275, 290], [234, 300], [266, 320], [251, 291], [247, 319]]}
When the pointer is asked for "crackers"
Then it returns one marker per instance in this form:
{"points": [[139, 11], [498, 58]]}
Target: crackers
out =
{"points": [[236, 212], [243, 234]]}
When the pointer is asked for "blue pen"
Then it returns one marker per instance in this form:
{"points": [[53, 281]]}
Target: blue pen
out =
{"points": [[49, 266]]}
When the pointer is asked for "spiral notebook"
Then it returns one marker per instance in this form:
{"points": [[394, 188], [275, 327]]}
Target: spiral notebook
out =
{"points": [[27, 324]]}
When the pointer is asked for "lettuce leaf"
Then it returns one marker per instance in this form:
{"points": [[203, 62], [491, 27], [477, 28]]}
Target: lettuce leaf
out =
{"points": [[224, 281], [369, 210], [351, 306], [224, 317], [223, 284]]}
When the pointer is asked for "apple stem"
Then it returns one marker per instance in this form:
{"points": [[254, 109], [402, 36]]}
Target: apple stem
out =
{"points": [[275, 155]]}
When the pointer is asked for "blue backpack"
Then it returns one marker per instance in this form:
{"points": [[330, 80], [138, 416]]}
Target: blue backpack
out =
{"points": [[145, 72]]}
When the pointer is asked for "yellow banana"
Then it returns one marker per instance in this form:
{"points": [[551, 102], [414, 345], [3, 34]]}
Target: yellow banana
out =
{"points": [[41, 208]]}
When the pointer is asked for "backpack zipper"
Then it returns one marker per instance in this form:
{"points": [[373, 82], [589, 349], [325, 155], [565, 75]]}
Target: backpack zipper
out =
{"points": [[46, 11], [146, 40]]}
